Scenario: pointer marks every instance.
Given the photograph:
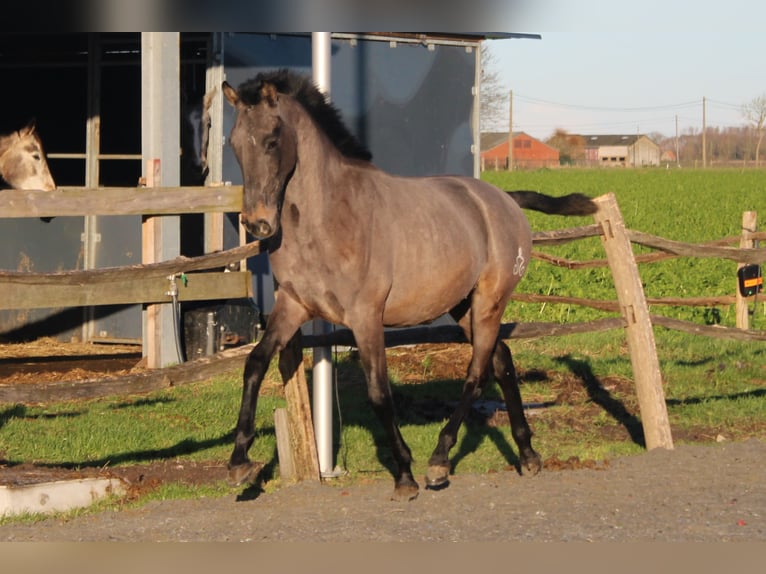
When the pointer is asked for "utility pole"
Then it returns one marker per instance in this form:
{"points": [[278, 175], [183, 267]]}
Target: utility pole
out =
{"points": [[678, 155], [704, 131], [510, 131]]}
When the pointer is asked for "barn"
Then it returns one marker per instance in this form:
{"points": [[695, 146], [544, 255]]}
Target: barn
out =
{"points": [[635, 150], [107, 103], [528, 152]]}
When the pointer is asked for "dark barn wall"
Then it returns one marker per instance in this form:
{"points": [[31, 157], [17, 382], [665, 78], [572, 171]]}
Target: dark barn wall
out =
{"points": [[45, 78], [409, 103], [49, 76]]}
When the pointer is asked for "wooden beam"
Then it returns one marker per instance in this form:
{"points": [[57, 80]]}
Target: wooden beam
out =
{"points": [[127, 290], [687, 250], [76, 202], [638, 325], [180, 264]]}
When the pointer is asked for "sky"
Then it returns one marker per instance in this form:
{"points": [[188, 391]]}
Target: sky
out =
{"points": [[633, 67]]}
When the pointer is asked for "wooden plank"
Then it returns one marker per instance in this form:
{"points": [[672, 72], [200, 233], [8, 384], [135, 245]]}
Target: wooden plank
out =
{"points": [[614, 305], [76, 201], [180, 264], [713, 331], [198, 287], [234, 359], [689, 250], [200, 369], [638, 327]]}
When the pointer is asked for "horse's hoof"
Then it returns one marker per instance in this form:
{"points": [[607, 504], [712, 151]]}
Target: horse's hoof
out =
{"points": [[406, 491], [437, 476], [531, 464], [243, 473]]}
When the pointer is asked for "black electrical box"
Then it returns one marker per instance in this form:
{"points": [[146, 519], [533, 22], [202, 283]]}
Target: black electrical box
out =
{"points": [[750, 280], [214, 328]]}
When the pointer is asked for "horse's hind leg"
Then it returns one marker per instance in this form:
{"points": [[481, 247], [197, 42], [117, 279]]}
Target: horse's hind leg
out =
{"points": [[505, 374], [483, 341], [372, 352]]}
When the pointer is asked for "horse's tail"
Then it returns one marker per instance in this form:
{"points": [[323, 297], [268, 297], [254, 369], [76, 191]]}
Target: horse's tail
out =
{"points": [[572, 204]]}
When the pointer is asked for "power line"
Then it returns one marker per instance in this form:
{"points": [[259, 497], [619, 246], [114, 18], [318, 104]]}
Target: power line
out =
{"points": [[680, 105]]}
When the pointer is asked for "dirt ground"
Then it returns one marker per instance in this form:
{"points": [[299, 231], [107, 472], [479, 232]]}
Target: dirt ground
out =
{"points": [[693, 493]]}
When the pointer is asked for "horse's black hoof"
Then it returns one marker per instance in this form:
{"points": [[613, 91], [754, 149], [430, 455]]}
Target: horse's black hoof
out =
{"points": [[405, 492], [405, 488], [531, 464], [437, 476], [243, 473]]}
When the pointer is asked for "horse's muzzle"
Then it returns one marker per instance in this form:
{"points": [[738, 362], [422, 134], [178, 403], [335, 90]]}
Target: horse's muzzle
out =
{"points": [[259, 227], [262, 229]]}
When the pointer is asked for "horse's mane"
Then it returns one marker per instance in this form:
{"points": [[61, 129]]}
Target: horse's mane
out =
{"points": [[313, 101]]}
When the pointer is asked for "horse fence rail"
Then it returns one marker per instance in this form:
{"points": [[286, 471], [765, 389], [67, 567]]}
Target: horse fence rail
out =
{"points": [[77, 201]]}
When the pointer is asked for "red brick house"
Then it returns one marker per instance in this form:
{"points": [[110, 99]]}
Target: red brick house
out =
{"points": [[528, 152]]}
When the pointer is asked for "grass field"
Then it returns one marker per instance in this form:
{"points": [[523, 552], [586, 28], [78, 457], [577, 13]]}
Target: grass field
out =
{"points": [[715, 389], [692, 206]]}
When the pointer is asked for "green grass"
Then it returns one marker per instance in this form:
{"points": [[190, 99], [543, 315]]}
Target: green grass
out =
{"points": [[692, 206], [713, 387]]}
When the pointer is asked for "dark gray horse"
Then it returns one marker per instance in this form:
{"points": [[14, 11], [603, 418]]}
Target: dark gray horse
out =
{"points": [[362, 248]]}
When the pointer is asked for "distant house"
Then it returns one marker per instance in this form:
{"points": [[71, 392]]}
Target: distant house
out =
{"points": [[668, 156], [621, 150], [528, 152]]}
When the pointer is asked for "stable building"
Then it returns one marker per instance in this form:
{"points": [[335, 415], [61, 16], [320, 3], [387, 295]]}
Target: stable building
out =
{"points": [[110, 105], [528, 152], [635, 150]]}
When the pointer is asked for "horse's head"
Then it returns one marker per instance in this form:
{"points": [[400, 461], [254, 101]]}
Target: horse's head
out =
{"points": [[23, 164], [266, 149]]}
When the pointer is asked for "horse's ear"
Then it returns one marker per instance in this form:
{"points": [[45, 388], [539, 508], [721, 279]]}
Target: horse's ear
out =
{"points": [[29, 128], [230, 93], [270, 94]]}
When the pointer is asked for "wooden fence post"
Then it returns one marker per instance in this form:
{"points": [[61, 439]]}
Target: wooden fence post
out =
{"points": [[638, 325], [749, 222], [301, 441]]}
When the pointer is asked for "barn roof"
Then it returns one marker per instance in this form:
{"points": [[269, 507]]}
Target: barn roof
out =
{"points": [[461, 35], [490, 140], [610, 139]]}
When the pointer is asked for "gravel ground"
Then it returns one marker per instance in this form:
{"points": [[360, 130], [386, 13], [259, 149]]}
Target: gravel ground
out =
{"points": [[693, 493]]}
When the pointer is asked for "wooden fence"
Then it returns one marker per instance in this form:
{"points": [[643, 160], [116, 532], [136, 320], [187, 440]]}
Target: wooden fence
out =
{"points": [[631, 304], [151, 283]]}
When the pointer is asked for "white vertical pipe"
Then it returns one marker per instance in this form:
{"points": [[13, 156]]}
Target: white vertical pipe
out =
{"points": [[322, 376]]}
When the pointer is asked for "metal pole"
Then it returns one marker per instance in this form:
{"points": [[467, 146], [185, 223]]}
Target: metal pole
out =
{"points": [[322, 377], [510, 130]]}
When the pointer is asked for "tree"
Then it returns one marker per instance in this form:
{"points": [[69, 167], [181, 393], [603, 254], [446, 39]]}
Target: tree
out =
{"points": [[494, 96], [755, 112], [571, 147]]}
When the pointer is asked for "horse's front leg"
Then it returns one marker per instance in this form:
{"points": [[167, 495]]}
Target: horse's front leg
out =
{"points": [[372, 352], [281, 328]]}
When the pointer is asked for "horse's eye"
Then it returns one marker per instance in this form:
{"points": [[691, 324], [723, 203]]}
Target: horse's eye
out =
{"points": [[36, 156], [270, 144]]}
